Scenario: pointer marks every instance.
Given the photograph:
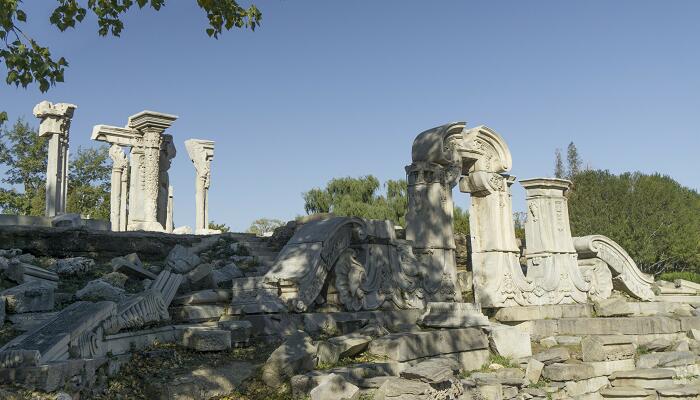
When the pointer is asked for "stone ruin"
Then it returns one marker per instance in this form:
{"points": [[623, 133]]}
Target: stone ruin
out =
{"points": [[351, 306]]}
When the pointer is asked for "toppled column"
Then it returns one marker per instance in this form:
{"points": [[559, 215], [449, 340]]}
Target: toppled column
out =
{"points": [[118, 195], [551, 257], [201, 153], [55, 125]]}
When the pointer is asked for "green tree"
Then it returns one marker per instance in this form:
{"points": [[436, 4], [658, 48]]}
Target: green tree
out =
{"points": [[29, 62], [559, 171], [460, 221], [89, 183], [23, 153], [573, 160], [653, 217], [263, 226], [219, 227]]}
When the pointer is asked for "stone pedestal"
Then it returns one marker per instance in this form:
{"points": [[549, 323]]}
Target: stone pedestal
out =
{"points": [[551, 257], [201, 153], [55, 125]]}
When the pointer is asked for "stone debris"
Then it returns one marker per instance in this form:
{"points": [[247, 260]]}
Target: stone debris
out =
{"points": [[334, 387], [509, 341], [72, 266], [333, 349], [200, 339], [131, 266], [296, 355], [607, 348], [182, 259], [28, 297], [98, 290]]}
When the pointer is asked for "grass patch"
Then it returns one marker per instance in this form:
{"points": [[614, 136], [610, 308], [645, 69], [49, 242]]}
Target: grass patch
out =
{"points": [[686, 275]]}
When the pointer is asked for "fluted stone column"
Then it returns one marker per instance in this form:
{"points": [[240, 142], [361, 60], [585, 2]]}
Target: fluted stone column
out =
{"points": [[201, 153], [55, 125], [120, 168]]}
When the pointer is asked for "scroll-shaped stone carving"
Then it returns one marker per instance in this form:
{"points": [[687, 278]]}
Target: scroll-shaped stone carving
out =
{"points": [[137, 311], [19, 358], [626, 275]]}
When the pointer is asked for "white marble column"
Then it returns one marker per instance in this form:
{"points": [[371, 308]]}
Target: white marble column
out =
{"points": [[551, 257], [169, 222], [55, 125], [120, 168], [201, 153]]}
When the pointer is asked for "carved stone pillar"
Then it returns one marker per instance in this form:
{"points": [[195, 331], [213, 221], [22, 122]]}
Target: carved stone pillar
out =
{"points": [[498, 278], [551, 257], [167, 153], [201, 153], [169, 222], [120, 165], [55, 125], [151, 125]]}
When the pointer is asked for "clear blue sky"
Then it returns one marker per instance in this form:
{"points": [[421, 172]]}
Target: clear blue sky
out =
{"points": [[326, 89]]}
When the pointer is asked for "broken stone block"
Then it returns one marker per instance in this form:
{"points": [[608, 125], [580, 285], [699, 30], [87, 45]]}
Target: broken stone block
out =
{"points": [[553, 355], [650, 378], [433, 370], [333, 349], [407, 346], [607, 348], [131, 266], [116, 279], [533, 372], [613, 307], [20, 272], [503, 376], [667, 359], [182, 259], [98, 289], [585, 386], [202, 383], [167, 283], [509, 341], [72, 266], [452, 315], [206, 339], [335, 387], [28, 297], [226, 274], [296, 355], [240, 330], [658, 344], [406, 389], [568, 372], [69, 333], [136, 311], [548, 342]]}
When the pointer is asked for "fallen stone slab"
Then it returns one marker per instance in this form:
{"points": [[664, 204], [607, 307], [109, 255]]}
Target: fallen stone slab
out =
{"points": [[335, 387], [28, 297], [182, 259], [207, 296], [167, 283], [533, 372], [652, 378], [198, 313], [20, 272], [613, 325], [399, 388], [137, 311], [452, 315], [509, 341], [240, 331], [433, 370], [612, 307], [628, 393], [503, 376], [568, 372], [98, 290], [585, 386], [607, 348], [679, 392], [131, 266], [333, 349], [68, 333], [412, 345], [296, 355], [224, 275], [606, 368], [553, 355], [667, 359], [28, 321]]}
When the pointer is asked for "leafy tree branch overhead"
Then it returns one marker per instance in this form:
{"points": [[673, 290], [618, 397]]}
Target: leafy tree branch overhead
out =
{"points": [[29, 62]]}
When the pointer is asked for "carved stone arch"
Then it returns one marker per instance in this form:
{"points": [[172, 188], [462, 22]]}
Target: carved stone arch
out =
{"points": [[486, 150], [302, 267]]}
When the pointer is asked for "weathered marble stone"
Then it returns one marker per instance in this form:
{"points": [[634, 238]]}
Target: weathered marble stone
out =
{"points": [[585, 386], [667, 359], [182, 259], [568, 372], [607, 348], [296, 355], [206, 339], [509, 341], [98, 290], [71, 333], [453, 315], [650, 378], [240, 330], [553, 355], [626, 275], [614, 307], [202, 383], [555, 311], [433, 370], [333, 349], [72, 266], [405, 389], [167, 284], [628, 393], [132, 266], [533, 372], [412, 345], [28, 297], [55, 125], [21, 272], [224, 275], [335, 387], [199, 272], [137, 311], [503, 376], [201, 153]]}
